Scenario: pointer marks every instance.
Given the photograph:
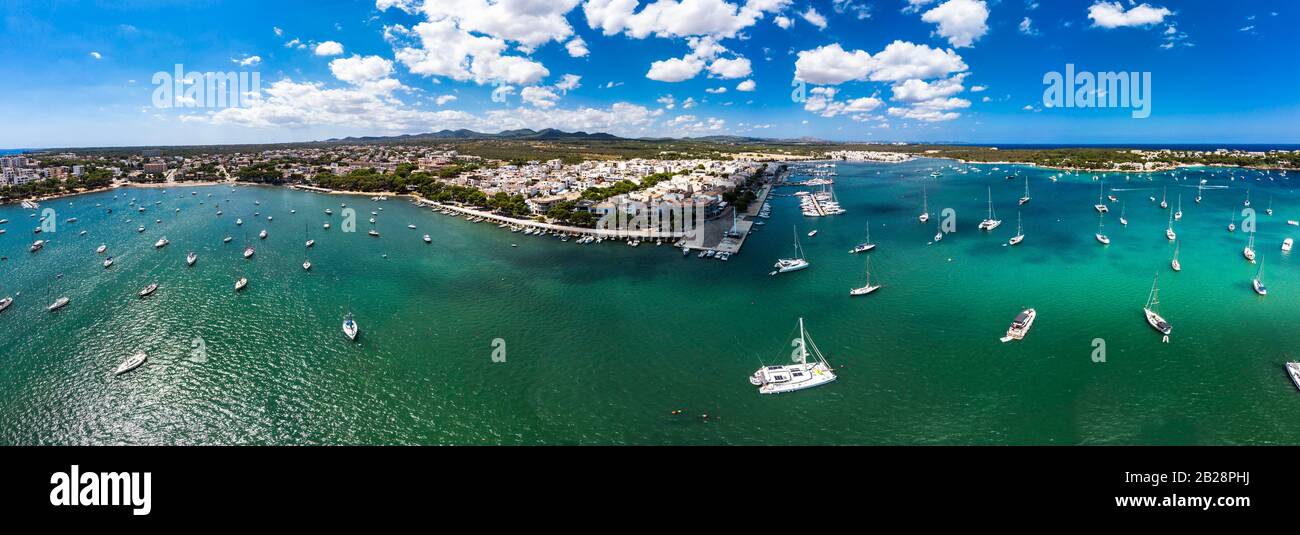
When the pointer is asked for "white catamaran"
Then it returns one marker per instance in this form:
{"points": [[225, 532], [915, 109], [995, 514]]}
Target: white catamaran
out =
{"points": [[990, 223], [784, 265], [1101, 206], [792, 377]]}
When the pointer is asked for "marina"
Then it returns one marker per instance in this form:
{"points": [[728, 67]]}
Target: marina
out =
{"points": [[916, 362]]}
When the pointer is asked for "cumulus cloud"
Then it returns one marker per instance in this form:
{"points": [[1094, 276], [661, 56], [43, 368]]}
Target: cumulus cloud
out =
{"points": [[677, 18], [730, 68], [783, 22], [96, 55], [716, 90], [568, 82], [358, 69], [747, 85], [900, 60], [1113, 15], [247, 61], [444, 99], [675, 69], [329, 48], [962, 22], [577, 48], [540, 97]]}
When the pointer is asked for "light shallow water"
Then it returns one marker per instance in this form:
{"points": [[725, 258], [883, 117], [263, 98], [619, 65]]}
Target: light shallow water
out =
{"points": [[603, 341]]}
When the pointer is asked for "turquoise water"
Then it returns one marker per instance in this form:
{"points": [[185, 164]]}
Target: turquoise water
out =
{"points": [[602, 342]]}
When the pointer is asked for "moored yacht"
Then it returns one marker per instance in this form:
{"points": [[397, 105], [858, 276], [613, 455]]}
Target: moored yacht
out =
{"points": [[151, 288], [1020, 325], [1020, 232], [131, 363], [427, 239], [1293, 370], [102, 247], [108, 262], [241, 283], [1152, 309], [1101, 236], [191, 258], [4, 303], [866, 245], [1025, 199], [868, 287], [799, 376], [1164, 199], [350, 327], [261, 235], [1257, 283], [162, 242], [58, 303], [1101, 206], [1249, 251], [1174, 264], [785, 265], [990, 223], [925, 207], [248, 252]]}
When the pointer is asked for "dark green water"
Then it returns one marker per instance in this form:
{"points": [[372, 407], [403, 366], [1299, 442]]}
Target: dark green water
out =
{"points": [[603, 341]]}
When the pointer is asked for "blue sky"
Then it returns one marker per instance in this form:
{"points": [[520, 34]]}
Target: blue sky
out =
{"points": [[80, 73]]}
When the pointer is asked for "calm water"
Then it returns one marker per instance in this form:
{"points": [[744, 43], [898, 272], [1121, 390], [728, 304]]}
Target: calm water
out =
{"points": [[603, 341]]}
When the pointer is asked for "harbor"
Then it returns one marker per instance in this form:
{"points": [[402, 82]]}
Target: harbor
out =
{"points": [[642, 332]]}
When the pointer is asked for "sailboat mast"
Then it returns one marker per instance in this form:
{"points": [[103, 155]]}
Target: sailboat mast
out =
{"points": [[803, 343]]}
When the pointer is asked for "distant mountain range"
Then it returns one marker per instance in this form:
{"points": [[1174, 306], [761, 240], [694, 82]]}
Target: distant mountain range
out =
{"points": [[548, 134]]}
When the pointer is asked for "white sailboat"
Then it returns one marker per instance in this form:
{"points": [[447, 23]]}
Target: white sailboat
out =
{"points": [[1122, 220], [925, 206], [1169, 231], [785, 265], [868, 287], [1178, 216], [350, 327], [1025, 199], [148, 290], [1258, 283], [1269, 211], [1020, 232], [799, 376], [241, 283], [1177, 266], [1101, 236], [1232, 225], [131, 363], [1247, 202], [1164, 199], [191, 258], [866, 245], [1249, 251], [990, 223], [1152, 309]]}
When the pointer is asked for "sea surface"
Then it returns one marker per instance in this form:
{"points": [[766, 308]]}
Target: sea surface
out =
{"points": [[601, 343]]}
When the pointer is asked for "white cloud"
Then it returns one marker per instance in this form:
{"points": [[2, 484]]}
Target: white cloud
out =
{"points": [[667, 101], [730, 68], [899, 61], [329, 48], [1027, 27], [96, 55], [783, 21], [1113, 15], [859, 9], [502, 92], [677, 18], [924, 115], [531, 23], [747, 85], [278, 31], [576, 47], [568, 82], [444, 99], [914, 6], [962, 22], [540, 97], [716, 90], [358, 69], [247, 61], [445, 50], [916, 91], [814, 18], [977, 88], [688, 103], [675, 69], [831, 64]]}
